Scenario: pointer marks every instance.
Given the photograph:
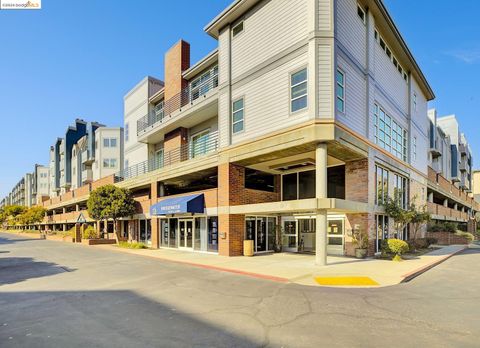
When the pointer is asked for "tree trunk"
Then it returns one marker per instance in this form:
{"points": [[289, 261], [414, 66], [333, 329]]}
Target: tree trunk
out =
{"points": [[115, 232]]}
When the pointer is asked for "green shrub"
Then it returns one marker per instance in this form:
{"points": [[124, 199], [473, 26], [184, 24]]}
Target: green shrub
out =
{"points": [[89, 233], [397, 247], [431, 241], [419, 243], [470, 237], [132, 245], [384, 247], [443, 227]]}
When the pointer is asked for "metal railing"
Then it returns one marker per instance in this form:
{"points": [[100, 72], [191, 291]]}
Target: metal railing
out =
{"points": [[201, 146], [163, 111]]}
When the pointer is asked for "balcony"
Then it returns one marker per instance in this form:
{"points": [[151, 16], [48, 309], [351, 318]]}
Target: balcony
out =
{"points": [[464, 167], [198, 99], [87, 176], [462, 149], [445, 213], [87, 158], [435, 152], [200, 147]]}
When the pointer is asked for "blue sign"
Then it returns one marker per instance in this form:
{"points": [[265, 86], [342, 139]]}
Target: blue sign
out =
{"points": [[179, 205]]}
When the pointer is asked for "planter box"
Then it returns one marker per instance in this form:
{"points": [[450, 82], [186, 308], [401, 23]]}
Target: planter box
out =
{"points": [[98, 241]]}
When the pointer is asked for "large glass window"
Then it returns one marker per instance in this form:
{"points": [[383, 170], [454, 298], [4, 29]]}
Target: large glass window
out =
{"points": [[382, 230], [381, 185], [173, 229], [299, 185], [389, 134], [238, 116], [298, 93], [289, 187], [306, 184], [257, 180], [212, 234], [262, 231], [401, 188]]}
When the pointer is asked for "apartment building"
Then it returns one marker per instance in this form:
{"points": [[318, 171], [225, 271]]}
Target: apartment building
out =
{"points": [[303, 121], [450, 173], [476, 185], [305, 118]]}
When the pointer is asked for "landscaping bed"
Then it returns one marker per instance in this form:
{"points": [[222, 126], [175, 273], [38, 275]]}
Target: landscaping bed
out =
{"points": [[98, 241]]}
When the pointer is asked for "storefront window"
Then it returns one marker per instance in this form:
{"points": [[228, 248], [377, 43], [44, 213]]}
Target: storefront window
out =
{"points": [[262, 231], [213, 234], [272, 222], [164, 232], [261, 241], [382, 229], [173, 224]]}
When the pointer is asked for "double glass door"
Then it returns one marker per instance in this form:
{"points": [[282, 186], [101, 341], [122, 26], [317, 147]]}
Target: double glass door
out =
{"points": [[185, 238], [262, 231], [299, 235]]}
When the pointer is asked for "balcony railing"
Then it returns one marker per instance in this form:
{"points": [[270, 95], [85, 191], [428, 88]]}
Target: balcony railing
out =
{"points": [[163, 111], [201, 146]]}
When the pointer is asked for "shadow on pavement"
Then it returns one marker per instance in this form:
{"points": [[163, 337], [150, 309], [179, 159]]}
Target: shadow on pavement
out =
{"points": [[18, 269], [119, 318]]}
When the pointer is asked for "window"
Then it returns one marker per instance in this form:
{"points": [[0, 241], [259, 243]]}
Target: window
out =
{"points": [[127, 130], [110, 142], [382, 229], [361, 13], [414, 148], [113, 142], [389, 54], [238, 116], [237, 29], [109, 163], [389, 134], [340, 91], [401, 187], [257, 180], [106, 142], [126, 164], [299, 185], [415, 101], [298, 90], [199, 143], [381, 185]]}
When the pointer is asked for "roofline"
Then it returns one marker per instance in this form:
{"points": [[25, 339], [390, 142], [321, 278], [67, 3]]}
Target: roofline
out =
{"points": [[393, 27], [209, 59], [213, 27]]}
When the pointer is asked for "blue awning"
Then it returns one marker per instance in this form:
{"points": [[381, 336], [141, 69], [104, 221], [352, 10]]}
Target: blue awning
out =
{"points": [[179, 205]]}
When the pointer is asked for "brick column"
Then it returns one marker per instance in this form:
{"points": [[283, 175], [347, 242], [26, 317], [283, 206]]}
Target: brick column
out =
{"points": [[154, 219], [230, 192]]}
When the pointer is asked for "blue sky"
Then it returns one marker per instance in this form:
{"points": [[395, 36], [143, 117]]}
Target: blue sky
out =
{"points": [[79, 58]]}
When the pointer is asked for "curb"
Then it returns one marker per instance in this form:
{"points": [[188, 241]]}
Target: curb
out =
{"points": [[200, 265], [415, 273]]}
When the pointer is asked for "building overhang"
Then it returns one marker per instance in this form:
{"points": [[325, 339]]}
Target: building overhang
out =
{"points": [[229, 15], [311, 205]]}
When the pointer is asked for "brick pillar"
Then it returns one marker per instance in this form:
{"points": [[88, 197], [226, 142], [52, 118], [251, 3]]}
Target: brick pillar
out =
{"points": [[154, 219], [356, 180], [175, 146], [177, 60], [230, 192]]}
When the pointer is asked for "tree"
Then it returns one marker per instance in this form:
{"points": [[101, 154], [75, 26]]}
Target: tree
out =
{"points": [[110, 202], [11, 214], [401, 215], [32, 216], [420, 217]]}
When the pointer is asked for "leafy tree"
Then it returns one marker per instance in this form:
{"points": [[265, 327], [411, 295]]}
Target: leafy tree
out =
{"points": [[110, 202], [401, 215], [420, 217], [11, 213], [32, 216]]}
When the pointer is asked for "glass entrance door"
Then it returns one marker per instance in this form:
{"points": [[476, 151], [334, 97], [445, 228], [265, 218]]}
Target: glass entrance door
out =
{"points": [[185, 228], [335, 237], [290, 235], [306, 235]]}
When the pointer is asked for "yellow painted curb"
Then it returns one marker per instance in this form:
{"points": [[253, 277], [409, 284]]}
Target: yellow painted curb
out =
{"points": [[346, 281]]}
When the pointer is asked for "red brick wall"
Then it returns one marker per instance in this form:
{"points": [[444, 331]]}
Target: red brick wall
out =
{"points": [[172, 146], [447, 238], [356, 180], [366, 222], [103, 181]]}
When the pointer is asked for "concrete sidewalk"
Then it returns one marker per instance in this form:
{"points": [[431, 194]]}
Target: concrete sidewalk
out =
{"points": [[300, 268]]}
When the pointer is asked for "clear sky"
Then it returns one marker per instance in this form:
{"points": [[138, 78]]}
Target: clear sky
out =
{"points": [[77, 59]]}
